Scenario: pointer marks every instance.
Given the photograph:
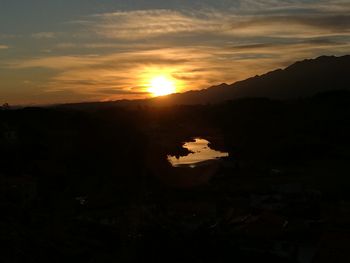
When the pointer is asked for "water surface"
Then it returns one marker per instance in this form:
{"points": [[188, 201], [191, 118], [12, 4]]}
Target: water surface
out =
{"points": [[200, 152]]}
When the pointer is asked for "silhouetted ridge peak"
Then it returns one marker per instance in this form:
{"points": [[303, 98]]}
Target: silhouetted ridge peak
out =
{"points": [[222, 85], [325, 60], [304, 78]]}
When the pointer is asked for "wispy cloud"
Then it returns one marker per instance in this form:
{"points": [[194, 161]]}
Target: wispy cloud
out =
{"points": [[314, 20], [97, 45], [147, 23], [112, 54], [44, 35], [9, 36], [195, 67], [4, 47]]}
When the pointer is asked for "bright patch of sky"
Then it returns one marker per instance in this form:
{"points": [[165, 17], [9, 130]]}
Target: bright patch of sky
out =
{"points": [[78, 50]]}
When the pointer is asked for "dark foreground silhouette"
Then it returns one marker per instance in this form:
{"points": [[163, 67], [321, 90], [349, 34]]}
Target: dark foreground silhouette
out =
{"points": [[94, 185]]}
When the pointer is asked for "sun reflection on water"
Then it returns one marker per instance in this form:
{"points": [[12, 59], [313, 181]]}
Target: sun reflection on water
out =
{"points": [[200, 152]]}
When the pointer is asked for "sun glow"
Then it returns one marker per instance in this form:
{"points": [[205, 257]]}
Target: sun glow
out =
{"points": [[161, 86]]}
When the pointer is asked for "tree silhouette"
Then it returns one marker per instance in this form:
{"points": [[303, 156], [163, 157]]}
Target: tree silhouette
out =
{"points": [[5, 106]]}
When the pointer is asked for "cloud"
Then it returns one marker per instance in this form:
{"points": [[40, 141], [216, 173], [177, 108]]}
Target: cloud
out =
{"points": [[140, 24], [263, 7], [253, 18], [44, 35], [123, 92], [4, 47], [9, 36], [113, 55], [126, 74], [54, 62], [99, 45]]}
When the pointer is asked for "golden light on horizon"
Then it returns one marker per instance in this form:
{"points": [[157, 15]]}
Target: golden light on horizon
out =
{"points": [[161, 81], [161, 86]]}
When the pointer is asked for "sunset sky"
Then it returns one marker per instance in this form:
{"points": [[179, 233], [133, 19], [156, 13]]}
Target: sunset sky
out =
{"points": [[56, 51]]}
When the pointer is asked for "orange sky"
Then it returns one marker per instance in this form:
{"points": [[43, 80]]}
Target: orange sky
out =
{"points": [[114, 54]]}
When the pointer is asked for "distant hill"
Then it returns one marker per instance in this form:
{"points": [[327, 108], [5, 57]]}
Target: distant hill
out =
{"points": [[301, 79]]}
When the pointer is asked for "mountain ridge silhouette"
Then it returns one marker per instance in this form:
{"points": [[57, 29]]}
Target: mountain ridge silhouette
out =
{"points": [[301, 79]]}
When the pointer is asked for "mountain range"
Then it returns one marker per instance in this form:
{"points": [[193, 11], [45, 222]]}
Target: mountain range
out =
{"points": [[301, 79]]}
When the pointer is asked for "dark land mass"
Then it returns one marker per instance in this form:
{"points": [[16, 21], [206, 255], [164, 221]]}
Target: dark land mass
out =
{"points": [[92, 184]]}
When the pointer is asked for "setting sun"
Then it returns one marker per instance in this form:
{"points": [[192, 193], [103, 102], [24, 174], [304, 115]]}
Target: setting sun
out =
{"points": [[161, 86]]}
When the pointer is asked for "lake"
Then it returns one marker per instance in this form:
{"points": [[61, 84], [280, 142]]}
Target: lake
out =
{"points": [[200, 153]]}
